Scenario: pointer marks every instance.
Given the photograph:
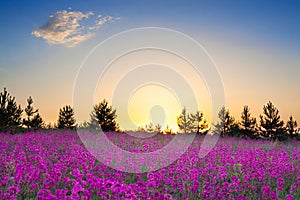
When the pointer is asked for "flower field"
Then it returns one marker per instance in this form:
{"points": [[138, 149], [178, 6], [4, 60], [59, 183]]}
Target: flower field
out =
{"points": [[56, 165]]}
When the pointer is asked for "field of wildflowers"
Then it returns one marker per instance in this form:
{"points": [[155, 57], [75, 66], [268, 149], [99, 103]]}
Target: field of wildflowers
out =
{"points": [[56, 165]]}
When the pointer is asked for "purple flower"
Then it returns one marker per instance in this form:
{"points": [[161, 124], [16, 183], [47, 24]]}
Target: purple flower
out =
{"points": [[168, 196], [266, 190], [77, 188], [76, 174], [13, 189], [280, 183], [45, 194], [150, 175], [108, 184], [33, 185]]}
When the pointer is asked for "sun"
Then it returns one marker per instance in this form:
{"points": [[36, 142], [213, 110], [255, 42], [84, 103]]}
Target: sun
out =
{"points": [[154, 103]]}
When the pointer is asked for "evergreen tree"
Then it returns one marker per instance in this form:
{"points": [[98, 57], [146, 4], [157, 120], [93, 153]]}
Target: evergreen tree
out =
{"points": [[291, 126], [33, 118], [66, 119], [271, 125], [93, 124], [105, 116], [50, 126], [248, 123], [84, 124], [37, 122], [140, 129], [10, 112], [150, 127], [158, 128], [168, 130], [226, 122], [198, 123], [235, 130], [184, 121]]}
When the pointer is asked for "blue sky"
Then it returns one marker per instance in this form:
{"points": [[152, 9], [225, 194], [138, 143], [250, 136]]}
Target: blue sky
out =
{"points": [[255, 44]]}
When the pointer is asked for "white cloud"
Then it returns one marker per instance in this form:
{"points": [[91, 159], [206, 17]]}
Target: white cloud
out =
{"points": [[101, 20], [67, 27]]}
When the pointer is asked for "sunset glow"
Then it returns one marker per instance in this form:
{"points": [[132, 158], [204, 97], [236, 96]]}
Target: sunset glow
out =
{"points": [[160, 99], [255, 50]]}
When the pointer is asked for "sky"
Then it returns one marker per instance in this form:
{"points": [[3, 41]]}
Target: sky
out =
{"points": [[255, 46]]}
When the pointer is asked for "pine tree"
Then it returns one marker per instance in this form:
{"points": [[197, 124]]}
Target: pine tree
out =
{"points": [[248, 123], [198, 123], [291, 126], [37, 122], [105, 116], [10, 112], [150, 127], [158, 128], [49, 126], [33, 118], [226, 122], [168, 130], [83, 125], [66, 119], [184, 121], [271, 125], [140, 129]]}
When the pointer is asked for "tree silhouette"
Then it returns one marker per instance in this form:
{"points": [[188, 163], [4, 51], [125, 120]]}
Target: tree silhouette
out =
{"points": [[84, 124], [158, 128], [168, 130], [198, 123], [105, 116], [50, 126], [66, 119], [184, 121], [140, 129], [271, 125], [10, 112], [291, 126], [150, 127], [248, 123], [33, 118], [226, 122]]}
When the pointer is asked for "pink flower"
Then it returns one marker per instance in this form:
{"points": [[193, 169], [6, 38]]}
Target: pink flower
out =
{"points": [[33, 185], [167, 196], [266, 190], [45, 194], [77, 188], [13, 189], [280, 183]]}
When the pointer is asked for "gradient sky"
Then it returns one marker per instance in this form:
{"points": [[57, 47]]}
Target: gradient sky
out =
{"points": [[255, 44]]}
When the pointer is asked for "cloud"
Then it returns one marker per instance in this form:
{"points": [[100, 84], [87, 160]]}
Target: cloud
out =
{"points": [[101, 20], [68, 27]]}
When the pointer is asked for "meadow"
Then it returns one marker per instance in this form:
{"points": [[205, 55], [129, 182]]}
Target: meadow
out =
{"points": [[56, 165]]}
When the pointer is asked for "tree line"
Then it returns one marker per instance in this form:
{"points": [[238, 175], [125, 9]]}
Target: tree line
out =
{"points": [[269, 125], [11, 119]]}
